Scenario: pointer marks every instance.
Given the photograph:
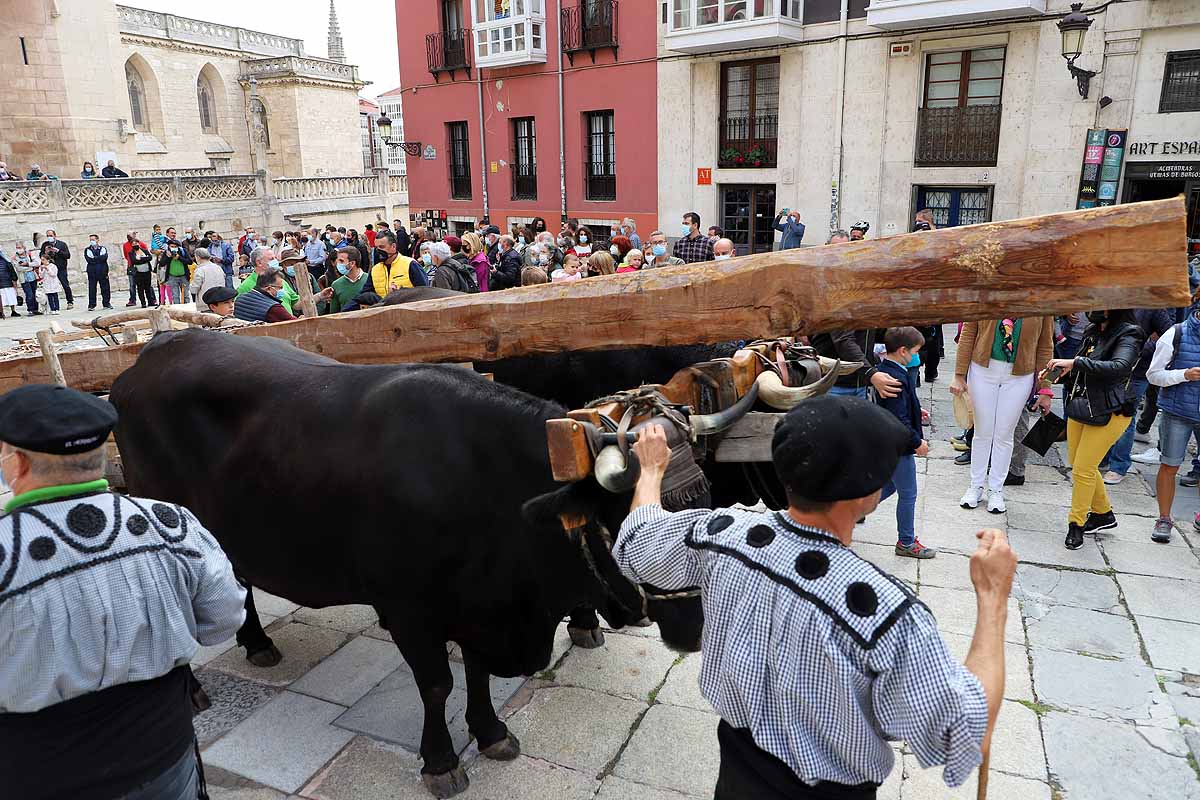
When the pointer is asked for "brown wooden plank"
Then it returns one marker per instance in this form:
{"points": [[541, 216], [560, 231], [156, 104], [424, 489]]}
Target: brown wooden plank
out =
{"points": [[1121, 256]]}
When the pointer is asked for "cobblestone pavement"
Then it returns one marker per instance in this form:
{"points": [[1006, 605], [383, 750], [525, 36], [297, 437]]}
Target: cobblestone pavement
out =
{"points": [[1102, 698]]}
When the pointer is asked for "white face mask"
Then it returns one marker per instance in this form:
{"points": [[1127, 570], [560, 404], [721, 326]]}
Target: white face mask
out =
{"points": [[583, 239], [722, 257], [616, 251]]}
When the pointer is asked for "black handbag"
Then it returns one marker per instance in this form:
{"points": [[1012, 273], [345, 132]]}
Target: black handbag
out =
{"points": [[1045, 432]]}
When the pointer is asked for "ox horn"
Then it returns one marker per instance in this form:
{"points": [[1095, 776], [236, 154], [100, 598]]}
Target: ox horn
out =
{"points": [[705, 424], [843, 367], [613, 472], [783, 398]]}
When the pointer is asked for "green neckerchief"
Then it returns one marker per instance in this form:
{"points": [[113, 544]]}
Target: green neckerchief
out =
{"points": [[55, 493]]}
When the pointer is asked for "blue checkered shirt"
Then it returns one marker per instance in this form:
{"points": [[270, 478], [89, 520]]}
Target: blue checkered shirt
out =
{"points": [[822, 656]]}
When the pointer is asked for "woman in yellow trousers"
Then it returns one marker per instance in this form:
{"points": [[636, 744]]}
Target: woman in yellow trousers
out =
{"points": [[1099, 406]]}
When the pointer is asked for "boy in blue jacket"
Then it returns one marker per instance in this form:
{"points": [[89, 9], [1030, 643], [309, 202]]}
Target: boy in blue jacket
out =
{"points": [[901, 345]]}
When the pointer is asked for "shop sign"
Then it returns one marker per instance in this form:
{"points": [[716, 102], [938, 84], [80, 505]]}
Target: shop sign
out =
{"points": [[1089, 178], [1110, 167], [1178, 148], [1177, 171], [704, 176]]}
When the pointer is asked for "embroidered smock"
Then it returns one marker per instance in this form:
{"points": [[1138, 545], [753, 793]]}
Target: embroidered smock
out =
{"points": [[99, 589], [822, 656]]}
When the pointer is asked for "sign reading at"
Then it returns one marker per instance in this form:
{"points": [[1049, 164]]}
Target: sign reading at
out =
{"points": [[1182, 148], [704, 176]]}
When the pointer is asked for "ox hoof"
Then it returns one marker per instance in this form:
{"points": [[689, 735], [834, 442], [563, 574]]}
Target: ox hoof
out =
{"points": [[587, 638], [267, 657], [446, 784], [644, 622], [506, 749]]}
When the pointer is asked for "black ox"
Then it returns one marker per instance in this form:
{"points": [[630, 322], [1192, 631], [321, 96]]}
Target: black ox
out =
{"points": [[424, 491]]}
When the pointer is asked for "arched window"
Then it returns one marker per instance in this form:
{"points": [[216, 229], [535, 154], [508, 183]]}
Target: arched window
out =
{"points": [[137, 96], [208, 107]]}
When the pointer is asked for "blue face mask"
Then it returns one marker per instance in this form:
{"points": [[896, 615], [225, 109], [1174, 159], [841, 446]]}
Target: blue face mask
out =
{"points": [[273, 263], [687, 230], [659, 250], [291, 271], [521, 239], [427, 259], [342, 269]]}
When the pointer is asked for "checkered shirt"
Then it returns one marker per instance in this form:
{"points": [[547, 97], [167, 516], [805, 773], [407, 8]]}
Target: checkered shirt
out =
{"points": [[694, 249], [103, 589], [821, 655]]}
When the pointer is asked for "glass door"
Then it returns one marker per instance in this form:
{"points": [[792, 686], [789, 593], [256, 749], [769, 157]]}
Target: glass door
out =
{"points": [[747, 213], [954, 206]]}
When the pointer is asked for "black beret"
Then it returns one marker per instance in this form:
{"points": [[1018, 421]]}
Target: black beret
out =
{"points": [[47, 418], [834, 448], [217, 294]]}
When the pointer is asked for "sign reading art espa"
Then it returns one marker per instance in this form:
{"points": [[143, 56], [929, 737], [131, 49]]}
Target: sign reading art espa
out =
{"points": [[1180, 148]]}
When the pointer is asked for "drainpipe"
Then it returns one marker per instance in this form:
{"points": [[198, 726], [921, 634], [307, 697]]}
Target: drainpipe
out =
{"points": [[835, 187], [562, 145], [483, 162]]}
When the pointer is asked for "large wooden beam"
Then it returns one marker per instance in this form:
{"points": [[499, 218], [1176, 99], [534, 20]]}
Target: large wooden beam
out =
{"points": [[1126, 256]]}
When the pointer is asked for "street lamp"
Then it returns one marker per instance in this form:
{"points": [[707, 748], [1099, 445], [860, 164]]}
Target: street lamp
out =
{"points": [[384, 126], [1073, 27]]}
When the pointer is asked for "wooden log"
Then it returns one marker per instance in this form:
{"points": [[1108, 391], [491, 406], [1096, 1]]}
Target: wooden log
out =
{"points": [[45, 338], [308, 306], [117, 318], [160, 320], [1121, 256]]}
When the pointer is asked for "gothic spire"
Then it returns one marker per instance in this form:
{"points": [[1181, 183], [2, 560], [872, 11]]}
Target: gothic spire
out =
{"points": [[336, 50]]}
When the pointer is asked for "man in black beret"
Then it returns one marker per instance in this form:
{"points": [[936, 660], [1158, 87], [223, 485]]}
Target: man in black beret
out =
{"points": [[815, 658], [104, 599]]}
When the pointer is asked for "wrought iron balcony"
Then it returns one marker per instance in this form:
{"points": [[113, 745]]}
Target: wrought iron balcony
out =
{"points": [[524, 183], [959, 136], [747, 143], [460, 187], [448, 51], [589, 26], [601, 182], [702, 26]]}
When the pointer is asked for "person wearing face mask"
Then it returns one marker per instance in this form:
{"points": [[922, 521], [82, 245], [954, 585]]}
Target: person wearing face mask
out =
{"points": [[8, 285], [263, 303], [546, 254], [538, 226], [1099, 406], [657, 255], [262, 261], [629, 231], [723, 250], [788, 223], [96, 256], [507, 272], [583, 242], [320, 296], [221, 252], [619, 247], [208, 275], [26, 266], [190, 242], [394, 270], [351, 280], [89, 171], [491, 237], [59, 254], [693, 246], [173, 263], [449, 272], [996, 363]]}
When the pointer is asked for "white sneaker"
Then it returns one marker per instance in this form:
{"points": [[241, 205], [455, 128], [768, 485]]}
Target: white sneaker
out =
{"points": [[56, 313], [972, 498], [1113, 478], [1150, 456], [996, 502]]}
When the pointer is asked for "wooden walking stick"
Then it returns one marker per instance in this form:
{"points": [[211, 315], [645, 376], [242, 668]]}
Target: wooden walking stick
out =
{"points": [[981, 794]]}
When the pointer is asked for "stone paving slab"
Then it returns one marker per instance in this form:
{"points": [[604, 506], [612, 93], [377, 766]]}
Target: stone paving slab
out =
{"points": [[884, 557], [1136, 529], [954, 611], [1066, 587], [1017, 683], [233, 699], [1156, 597], [225, 785], [652, 755], [615, 788], [1171, 644], [1123, 689], [351, 619], [948, 571], [1046, 547], [369, 770], [927, 784], [1092, 758], [1084, 631], [1152, 559], [575, 727], [267, 603], [351, 672], [1017, 742], [283, 743], [303, 647], [683, 685], [393, 712], [625, 666]]}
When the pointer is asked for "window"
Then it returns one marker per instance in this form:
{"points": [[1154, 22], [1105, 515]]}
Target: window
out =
{"points": [[1181, 83], [964, 78], [460, 161], [524, 160], [953, 206], [208, 109], [749, 113], [601, 150], [137, 96], [831, 10]]}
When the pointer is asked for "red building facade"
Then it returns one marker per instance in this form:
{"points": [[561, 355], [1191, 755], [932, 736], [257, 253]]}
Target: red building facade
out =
{"points": [[489, 85]]}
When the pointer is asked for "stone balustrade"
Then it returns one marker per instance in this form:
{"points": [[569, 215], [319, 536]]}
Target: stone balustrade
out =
{"points": [[142, 22], [102, 193], [170, 173], [398, 183], [319, 188], [300, 66]]}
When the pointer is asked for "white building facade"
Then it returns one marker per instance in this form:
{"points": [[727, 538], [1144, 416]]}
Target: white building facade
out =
{"points": [[851, 110], [389, 103]]}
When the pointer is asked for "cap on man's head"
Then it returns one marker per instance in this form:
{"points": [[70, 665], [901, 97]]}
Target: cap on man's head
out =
{"points": [[834, 448], [217, 294], [48, 418]]}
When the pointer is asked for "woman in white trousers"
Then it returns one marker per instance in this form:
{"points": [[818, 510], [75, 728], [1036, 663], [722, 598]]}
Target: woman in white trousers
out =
{"points": [[995, 365]]}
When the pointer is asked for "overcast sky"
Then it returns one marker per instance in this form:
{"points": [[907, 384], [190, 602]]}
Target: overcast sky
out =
{"points": [[368, 28]]}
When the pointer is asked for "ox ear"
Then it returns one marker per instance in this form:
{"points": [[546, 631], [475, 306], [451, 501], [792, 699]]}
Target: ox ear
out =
{"points": [[568, 507]]}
